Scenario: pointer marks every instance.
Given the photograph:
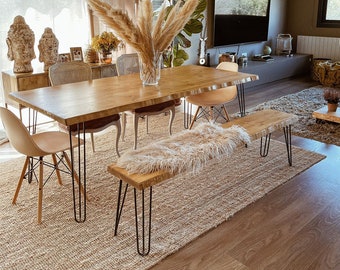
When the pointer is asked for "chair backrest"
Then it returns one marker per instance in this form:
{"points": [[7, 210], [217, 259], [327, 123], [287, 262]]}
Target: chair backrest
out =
{"points": [[231, 90], [69, 72], [18, 134], [127, 64], [230, 66]]}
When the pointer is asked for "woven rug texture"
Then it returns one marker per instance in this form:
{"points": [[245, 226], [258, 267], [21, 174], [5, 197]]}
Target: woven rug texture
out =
{"points": [[303, 104], [184, 207]]}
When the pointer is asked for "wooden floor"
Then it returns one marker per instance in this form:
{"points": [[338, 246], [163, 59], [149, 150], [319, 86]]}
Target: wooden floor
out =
{"points": [[296, 226]]}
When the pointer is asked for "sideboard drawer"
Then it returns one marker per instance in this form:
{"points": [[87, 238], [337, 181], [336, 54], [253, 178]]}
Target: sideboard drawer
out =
{"points": [[32, 82]]}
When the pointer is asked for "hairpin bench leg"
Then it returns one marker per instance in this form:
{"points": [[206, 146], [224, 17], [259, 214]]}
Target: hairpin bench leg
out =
{"points": [[264, 147], [241, 99], [120, 204], [145, 227], [187, 110], [288, 138]]}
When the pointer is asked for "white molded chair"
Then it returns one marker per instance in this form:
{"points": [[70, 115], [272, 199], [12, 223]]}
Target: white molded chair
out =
{"points": [[214, 99], [128, 64], [70, 72], [36, 147]]}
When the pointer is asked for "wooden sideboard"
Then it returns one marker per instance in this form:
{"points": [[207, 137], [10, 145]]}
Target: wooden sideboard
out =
{"points": [[14, 82], [103, 70]]}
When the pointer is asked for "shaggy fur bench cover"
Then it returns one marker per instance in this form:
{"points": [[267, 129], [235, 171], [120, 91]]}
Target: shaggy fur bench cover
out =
{"points": [[186, 150]]}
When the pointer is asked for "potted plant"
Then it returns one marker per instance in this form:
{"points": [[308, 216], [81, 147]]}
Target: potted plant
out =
{"points": [[104, 44], [176, 55], [331, 95]]}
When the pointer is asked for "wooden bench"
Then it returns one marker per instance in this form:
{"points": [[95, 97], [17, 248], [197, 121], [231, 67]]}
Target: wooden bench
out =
{"points": [[259, 125]]}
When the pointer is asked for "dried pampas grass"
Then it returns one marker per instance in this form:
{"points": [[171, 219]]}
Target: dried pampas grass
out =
{"points": [[145, 36], [188, 150]]}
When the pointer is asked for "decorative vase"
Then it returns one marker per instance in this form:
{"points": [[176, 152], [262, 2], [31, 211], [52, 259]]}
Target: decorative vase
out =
{"points": [[267, 50], [150, 68], [105, 57], [332, 107]]}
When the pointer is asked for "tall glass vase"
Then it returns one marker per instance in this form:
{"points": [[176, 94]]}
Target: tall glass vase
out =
{"points": [[150, 68]]}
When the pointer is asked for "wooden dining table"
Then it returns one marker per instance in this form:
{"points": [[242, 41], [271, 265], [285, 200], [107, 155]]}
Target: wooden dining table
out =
{"points": [[76, 103]]}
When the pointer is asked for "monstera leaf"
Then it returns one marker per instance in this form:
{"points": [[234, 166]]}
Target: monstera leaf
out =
{"points": [[176, 56]]}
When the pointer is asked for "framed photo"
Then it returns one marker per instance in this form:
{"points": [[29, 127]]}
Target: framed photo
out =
{"points": [[76, 54], [64, 57]]}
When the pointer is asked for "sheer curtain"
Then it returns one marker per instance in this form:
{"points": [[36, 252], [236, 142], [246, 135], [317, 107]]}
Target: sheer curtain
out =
{"points": [[68, 18]]}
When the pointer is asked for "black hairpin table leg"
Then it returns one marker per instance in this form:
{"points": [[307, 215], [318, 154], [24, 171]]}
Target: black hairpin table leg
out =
{"points": [[288, 138], [79, 199], [187, 110], [241, 99]]}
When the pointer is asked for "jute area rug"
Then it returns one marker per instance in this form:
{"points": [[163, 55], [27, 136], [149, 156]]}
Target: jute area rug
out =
{"points": [[184, 207], [303, 104]]}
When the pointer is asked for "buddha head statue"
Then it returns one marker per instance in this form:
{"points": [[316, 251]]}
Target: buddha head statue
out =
{"points": [[48, 48], [20, 42]]}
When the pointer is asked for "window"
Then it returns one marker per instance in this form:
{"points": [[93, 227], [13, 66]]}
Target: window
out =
{"points": [[328, 14], [67, 18]]}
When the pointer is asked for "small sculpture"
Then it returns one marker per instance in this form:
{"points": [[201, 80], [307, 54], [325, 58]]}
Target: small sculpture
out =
{"points": [[20, 42], [48, 48]]}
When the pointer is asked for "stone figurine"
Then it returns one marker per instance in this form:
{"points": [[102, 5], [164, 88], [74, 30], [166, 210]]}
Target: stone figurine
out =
{"points": [[20, 42], [48, 48]]}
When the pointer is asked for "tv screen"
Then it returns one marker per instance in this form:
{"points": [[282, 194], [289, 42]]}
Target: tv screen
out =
{"points": [[240, 21]]}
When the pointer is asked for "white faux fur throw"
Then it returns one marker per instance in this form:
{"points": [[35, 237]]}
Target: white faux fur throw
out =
{"points": [[186, 150]]}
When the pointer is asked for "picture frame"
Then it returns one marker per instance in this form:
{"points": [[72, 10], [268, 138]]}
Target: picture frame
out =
{"points": [[76, 54], [64, 57]]}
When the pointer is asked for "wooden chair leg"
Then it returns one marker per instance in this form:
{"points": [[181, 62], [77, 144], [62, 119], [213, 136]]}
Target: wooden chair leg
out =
{"points": [[226, 113], [23, 172], [56, 169], [92, 143], [211, 113], [135, 125], [172, 117], [123, 125], [195, 116], [147, 124], [119, 130], [41, 186]]}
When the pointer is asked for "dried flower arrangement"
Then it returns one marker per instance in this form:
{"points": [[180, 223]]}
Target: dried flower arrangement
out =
{"points": [[105, 42], [331, 95], [147, 37]]}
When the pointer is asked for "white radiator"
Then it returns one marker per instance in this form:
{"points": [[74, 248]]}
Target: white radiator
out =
{"points": [[319, 47]]}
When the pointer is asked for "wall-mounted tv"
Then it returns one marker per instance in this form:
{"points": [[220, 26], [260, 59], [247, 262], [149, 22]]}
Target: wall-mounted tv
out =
{"points": [[240, 21]]}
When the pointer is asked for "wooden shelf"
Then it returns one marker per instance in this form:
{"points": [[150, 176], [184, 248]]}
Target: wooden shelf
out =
{"points": [[280, 68]]}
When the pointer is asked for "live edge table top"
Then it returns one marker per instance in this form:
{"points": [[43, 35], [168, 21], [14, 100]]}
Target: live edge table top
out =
{"points": [[78, 102]]}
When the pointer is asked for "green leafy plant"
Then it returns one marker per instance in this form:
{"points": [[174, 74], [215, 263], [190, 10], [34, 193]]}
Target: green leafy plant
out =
{"points": [[176, 55]]}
